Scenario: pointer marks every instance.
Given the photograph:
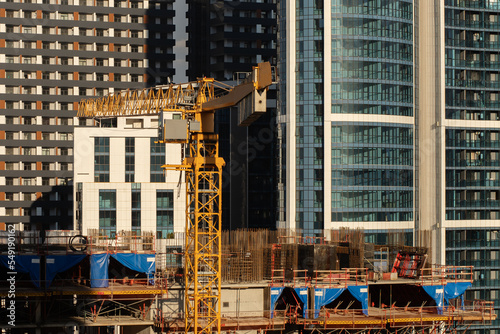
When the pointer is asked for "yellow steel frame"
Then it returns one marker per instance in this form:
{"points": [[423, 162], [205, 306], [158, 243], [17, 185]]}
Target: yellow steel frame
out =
{"points": [[202, 260], [203, 237]]}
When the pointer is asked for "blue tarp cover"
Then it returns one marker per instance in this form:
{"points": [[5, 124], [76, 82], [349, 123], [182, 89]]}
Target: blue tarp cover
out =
{"points": [[455, 290], [302, 293], [25, 264], [144, 263], [360, 292], [275, 294], [436, 292], [58, 263], [324, 297], [99, 270]]}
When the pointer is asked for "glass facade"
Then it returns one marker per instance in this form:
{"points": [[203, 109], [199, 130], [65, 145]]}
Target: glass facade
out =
{"points": [[370, 50], [107, 212], [309, 117], [372, 57], [478, 247], [101, 159], [164, 214], [472, 174], [372, 172], [472, 70], [157, 160]]}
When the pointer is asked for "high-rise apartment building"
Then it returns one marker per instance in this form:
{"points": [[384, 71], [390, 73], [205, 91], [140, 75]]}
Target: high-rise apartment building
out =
{"points": [[471, 144], [347, 115], [388, 119], [53, 54], [227, 38]]}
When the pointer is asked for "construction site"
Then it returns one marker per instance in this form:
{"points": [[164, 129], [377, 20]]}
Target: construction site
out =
{"points": [[211, 281], [271, 282]]}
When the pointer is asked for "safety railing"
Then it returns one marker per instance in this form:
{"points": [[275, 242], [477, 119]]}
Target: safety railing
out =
{"points": [[121, 243], [278, 277], [343, 277], [442, 274], [300, 279]]}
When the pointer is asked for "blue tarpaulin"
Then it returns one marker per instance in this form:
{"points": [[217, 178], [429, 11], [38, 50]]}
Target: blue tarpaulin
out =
{"points": [[275, 294], [144, 263], [360, 292], [324, 297], [455, 290], [25, 264], [58, 263], [99, 270], [436, 292], [302, 293]]}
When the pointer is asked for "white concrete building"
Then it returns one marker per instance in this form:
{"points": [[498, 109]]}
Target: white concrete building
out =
{"points": [[119, 182]]}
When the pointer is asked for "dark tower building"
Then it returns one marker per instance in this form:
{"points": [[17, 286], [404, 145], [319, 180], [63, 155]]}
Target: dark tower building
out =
{"points": [[227, 38]]}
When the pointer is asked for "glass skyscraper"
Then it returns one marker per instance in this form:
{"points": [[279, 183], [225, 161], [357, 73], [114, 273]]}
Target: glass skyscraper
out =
{"points": [[389, 120], [347, 124], [472, 51]]}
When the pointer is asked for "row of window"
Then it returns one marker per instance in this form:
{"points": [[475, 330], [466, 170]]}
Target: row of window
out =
{"points": [[344, 200], [472, 114], [38, 151], [98, 3], [385, 215], [372, 49], [395, 9], [372, 177], [102, 165], [45, 181], [370, 133], [372, 156], [75, 62], [34, 30], [372, 70], [373, 91], [164, 212], [372, 28], [94, 76], [45, 105], [472, 213], [353, 107], [30, 120]]}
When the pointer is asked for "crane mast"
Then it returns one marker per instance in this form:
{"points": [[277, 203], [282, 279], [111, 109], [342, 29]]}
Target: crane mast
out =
{"points": [[197, 102]]}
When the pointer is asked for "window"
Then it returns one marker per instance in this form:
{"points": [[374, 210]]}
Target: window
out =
{"points": [[107, 212], [101, 159], [157, 160], [164, 214], [129, 159], [136, 208]]}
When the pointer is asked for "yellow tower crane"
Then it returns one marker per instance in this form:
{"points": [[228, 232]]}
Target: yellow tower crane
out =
{"points": [[197, 102]]}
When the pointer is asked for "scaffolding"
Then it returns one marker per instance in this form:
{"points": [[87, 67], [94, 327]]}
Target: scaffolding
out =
{"points": [[295, 271]]}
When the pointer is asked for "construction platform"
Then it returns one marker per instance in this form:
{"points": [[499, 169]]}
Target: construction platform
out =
{"points": [[270, 284]]}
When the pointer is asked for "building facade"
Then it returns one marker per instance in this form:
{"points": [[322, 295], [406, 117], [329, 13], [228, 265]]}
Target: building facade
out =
{"points": [[126, 189], [226, 39], [53, 54], [346, 123], [388, 119], [472, 145]]}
